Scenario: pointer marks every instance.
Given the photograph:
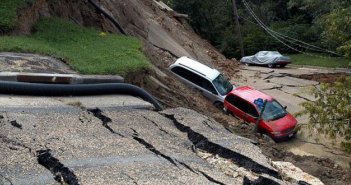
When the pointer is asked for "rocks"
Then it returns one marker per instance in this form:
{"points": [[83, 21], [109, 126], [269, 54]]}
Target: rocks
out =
{"points": [[295, 174]]}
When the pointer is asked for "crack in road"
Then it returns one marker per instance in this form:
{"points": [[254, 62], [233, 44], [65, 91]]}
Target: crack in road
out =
{"points": [[16, 124], [211, 179], [280, 88], [203, 143], [151, 148], [208, 125], [5, 139], [7, 179], [104, 119], [273, 88], [196, 171], [131, 178], [260, 181], [187, 167], [158, 126], [61, 173]]}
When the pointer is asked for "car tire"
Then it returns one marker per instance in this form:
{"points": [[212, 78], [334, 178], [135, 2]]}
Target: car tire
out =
{"points": [[282, 66], [218, 105], [247, 64], [271, 65]]}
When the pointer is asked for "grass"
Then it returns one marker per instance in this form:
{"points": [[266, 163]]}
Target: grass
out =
{"points": [[332, 62], [8, 12], [86, 50]]}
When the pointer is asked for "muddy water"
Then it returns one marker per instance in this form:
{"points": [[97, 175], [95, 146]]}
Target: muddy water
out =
{"points": [[319, 146], [292, 92]]}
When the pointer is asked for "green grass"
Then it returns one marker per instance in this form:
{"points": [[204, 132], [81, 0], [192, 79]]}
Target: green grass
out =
{"points": [[332, 62], [8, 12], [86, 50]]}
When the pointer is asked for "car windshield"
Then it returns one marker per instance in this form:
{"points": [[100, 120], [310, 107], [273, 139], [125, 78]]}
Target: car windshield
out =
{"points": [[273, 111], [222, 85]]}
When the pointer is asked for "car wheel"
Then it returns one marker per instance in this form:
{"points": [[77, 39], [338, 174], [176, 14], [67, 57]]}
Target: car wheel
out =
{"points": [[219, 105], [283, 65], [271, 65], [247, 64]]}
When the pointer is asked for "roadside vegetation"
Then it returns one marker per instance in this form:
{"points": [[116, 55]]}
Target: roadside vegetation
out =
{"points": [[86, 50], [8, 12], [323, 61], [330, 114]]}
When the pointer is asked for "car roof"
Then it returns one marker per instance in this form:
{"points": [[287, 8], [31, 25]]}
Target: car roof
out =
{"points": [[198, 67], [250, 94]]}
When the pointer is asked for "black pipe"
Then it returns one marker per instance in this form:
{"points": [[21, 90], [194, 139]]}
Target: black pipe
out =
{"points": [[21, 88], [113, 20]]}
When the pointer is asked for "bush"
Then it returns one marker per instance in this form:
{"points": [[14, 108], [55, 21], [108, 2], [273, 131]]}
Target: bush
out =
{"points": [[330, 114], [8, 12]]}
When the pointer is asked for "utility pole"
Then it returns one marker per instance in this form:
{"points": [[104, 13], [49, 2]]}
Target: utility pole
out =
{"points": [[238, 31]]}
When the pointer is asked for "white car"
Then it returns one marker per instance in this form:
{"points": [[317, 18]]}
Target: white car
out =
{"points": [[209, 81]]}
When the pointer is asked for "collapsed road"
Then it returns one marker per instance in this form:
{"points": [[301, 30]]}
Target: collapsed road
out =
{"points": [[120, 140]]}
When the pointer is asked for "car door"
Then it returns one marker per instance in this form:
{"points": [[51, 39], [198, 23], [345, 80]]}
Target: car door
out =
{"points": [[183, 74], [251, 113], [242, 108], [208, 89], [196, 81], [234, 104]]}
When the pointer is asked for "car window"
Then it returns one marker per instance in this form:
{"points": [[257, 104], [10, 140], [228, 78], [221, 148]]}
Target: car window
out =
{"points": [[208, 86], [223, 85], [188, 75], [194, 78], [242, 104], [273, 111]]}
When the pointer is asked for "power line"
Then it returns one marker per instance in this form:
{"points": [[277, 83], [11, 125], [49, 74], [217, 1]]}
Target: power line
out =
{"points": [[281, 38]]}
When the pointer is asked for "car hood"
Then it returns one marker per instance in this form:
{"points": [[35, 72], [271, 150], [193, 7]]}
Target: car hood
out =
{"points": [[283, 123]]}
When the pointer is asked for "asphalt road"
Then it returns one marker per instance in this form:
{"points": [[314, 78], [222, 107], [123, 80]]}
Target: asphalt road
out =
{"points": [[118, 140]]}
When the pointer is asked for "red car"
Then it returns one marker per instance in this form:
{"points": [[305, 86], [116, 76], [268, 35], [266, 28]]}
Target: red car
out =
{"points": [[275, 120]]}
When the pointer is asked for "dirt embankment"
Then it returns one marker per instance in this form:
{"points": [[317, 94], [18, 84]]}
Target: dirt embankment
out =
{"points": [[165, 38]]}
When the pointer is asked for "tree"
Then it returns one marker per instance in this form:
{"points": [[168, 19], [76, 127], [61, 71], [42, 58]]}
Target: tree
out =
{"points": [[330, 114], [337, 29], [307, 20]]}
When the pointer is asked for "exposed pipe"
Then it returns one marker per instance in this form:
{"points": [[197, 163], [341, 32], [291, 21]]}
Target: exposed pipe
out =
{"points": [[21, 88], [113, 20]]}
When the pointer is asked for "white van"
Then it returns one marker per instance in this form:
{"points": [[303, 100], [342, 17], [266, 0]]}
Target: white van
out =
{"points": [[209, 81]]}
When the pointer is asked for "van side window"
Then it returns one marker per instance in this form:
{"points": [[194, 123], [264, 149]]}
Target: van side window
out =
{"points": [[194, 78], [242, 104], [208, 86]]}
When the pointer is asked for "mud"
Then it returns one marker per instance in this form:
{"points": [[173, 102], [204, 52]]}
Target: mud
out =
{"points": [[61, 173], [325, 169], [322, 77]]}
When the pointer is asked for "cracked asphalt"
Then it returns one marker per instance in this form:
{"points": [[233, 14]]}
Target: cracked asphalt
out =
{"points": [[290, 91], [118, 140]]}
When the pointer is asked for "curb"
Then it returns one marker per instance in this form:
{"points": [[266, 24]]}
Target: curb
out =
{"points": [[59, 78]]}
